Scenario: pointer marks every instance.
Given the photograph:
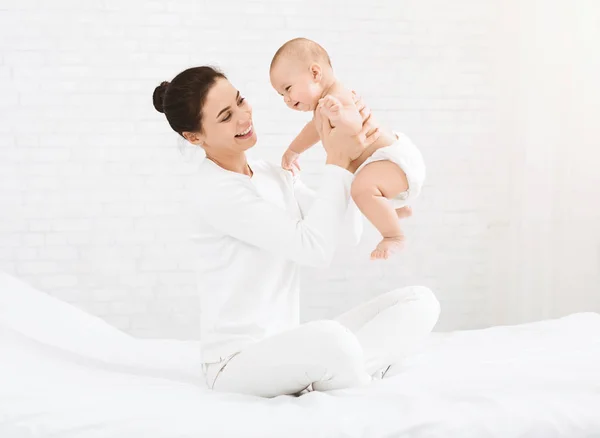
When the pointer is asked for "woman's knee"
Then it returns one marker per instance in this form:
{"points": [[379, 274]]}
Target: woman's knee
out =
{"points": [[425, 295], [335, 342], [341, 360], [421, 296], [413, 293]]}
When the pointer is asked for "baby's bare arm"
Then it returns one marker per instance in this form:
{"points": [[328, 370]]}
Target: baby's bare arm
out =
{"points": [[307, 138]]}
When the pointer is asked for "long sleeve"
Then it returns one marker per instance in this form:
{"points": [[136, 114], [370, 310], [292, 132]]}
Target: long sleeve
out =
{"points": [[236, 209], [352, 227]]}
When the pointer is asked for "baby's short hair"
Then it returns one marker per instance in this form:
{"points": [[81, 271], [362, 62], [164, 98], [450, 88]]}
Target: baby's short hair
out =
{"points": [[304, 49]]}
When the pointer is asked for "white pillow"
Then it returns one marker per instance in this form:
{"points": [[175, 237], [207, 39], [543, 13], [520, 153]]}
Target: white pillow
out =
{"points": [[60, 325]]}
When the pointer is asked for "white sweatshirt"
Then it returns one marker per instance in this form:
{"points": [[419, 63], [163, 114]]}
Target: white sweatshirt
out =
{"points": [[252, 235]]}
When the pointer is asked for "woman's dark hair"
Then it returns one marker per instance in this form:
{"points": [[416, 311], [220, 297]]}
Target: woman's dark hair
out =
{"points": [[182, 99]]}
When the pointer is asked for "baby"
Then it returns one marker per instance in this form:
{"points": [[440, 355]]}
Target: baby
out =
{"points": [[389, 173]]}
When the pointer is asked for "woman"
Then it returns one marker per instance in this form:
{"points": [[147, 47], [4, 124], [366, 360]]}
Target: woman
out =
{"points": [[256, 225]]}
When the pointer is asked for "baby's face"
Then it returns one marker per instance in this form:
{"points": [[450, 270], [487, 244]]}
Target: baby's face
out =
{"points": [[301, 91]]}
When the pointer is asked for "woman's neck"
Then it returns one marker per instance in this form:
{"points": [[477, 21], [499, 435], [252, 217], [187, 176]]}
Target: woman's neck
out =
{"points": [[234, 163]]}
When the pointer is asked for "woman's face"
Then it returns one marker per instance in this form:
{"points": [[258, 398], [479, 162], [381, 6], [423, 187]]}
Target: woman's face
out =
{"points": [[226, 120]]}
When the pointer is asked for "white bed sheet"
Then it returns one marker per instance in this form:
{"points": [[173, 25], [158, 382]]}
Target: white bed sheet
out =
{"points": [[535, 380]]}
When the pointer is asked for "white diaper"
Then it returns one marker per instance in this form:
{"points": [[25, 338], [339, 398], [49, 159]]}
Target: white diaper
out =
{"points": [[406, 155]]}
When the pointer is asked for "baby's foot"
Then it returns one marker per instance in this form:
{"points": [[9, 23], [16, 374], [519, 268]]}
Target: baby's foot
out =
{"points": [[387, 247], [404, 212]]}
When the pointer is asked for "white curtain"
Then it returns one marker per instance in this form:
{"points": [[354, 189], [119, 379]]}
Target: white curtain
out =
{"points": [[549, 120]]}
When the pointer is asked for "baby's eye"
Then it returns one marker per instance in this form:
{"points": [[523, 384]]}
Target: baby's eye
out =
{"points": [[288, 88]]}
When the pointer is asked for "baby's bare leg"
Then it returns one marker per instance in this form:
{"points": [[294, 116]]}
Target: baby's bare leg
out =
{"points": [[373, 184], [404, 212]]}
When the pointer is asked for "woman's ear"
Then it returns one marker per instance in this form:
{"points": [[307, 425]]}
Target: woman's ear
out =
{"points": [[193, 137], [316, 72]]}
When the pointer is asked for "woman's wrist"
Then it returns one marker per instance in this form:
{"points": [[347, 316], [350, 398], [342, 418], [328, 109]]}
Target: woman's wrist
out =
{"points": [[339, 170], [340, 162]]}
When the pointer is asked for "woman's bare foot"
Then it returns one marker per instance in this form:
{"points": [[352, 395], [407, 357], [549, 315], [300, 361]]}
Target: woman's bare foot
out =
{"points": [[387, 247], [404, 212]]}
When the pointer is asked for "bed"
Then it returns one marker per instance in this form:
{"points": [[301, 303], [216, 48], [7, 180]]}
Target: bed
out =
{"points": [[65, 373]]}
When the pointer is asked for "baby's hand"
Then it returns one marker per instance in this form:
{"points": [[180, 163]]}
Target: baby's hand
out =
{"points": [[330, 108], [345, 117], [289, 161]]}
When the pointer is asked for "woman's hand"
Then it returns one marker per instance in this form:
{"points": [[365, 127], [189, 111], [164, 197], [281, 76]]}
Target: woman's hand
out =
{"points": [[342, 148], [370, 132]]}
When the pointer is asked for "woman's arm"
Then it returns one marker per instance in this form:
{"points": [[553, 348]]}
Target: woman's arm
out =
{"points": [[237, 210], [352, 226]]}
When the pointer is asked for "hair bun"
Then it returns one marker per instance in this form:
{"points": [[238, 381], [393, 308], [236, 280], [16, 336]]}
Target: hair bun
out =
{"points": [[158, 97]]}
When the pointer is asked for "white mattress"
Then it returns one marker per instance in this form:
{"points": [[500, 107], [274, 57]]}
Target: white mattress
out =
{"points": [[64, 373]]}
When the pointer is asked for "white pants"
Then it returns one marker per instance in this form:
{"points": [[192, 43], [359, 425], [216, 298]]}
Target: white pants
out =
{"points": [[331, 354]]}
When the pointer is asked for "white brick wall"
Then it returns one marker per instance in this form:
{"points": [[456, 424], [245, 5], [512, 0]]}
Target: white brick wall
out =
{"points": [[93, 185]]}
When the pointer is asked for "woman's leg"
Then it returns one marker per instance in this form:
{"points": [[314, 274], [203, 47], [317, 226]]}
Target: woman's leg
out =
{"points": [[322, 353], [390, 326]]}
